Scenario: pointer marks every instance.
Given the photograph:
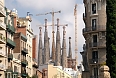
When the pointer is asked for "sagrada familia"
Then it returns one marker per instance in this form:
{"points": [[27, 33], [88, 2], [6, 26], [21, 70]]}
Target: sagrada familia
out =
{"points": [[59, 54]]}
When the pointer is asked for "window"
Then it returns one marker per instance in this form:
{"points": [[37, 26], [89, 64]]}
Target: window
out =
{"points": [[95, 56], [95, 72], [93, 24], [8, 75], [94, 41], [15, 68], [14, 75], [94, 8]]}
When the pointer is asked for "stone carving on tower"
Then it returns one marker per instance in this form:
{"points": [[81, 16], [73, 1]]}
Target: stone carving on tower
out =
{"points": [[40, 48], [70, 51], [58, 47], [46, 45], [64, 53]]}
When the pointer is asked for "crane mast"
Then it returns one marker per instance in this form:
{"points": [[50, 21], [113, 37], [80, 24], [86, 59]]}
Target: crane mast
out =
{"points": [[75, 14]]}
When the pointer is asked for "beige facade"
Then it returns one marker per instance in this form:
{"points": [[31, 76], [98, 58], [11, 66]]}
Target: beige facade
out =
{"points": [[26, 21], [3, 56], [50, 71], [95, 35]]}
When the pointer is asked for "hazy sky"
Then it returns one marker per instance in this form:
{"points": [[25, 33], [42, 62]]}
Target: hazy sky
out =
{"points": [[45, 6]]}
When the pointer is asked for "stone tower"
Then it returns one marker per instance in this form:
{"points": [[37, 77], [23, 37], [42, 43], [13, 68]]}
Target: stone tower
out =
{"points": [[95, 34], [40, 48], [64, 54], [70, 51], [58, 46], [46, 45], [53, 49]]}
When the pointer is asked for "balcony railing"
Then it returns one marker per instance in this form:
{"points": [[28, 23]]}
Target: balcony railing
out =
{"points": [[35, 63], [10, 56], [97, 44], [11, 43], [97, 28], [10, 29], [2, 10], [24, 51], [23, 37], [24, 62], [2, 52], [97, 61], [2, 25], [23, 73], [2, 67]]}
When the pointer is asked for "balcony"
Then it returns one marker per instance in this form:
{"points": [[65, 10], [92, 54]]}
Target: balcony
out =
{"points": [[10, 29], [23, 73], [35, 63], [24, 51], [15, 72], [96, 61], [94, 29], [97, 45], [2, 53], [84, 16], [11, 43], [2, 25], [2, 39], [24, 62], [2, 67], [23, 37], [2, 10], [10, 56]]}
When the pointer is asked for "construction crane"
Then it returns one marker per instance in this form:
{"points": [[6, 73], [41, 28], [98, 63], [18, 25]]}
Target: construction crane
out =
{"points": [[53, 43], [75, 15]]}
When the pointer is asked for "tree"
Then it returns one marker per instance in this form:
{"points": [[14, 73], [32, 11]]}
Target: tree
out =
{"points": [[111, 37]]}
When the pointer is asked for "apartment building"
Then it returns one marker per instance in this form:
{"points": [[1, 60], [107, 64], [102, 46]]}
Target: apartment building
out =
{"points": [[3, 59], [34, 55], [24, 26], [10, 45], [95, 36], [50, 71], [20, 52]]}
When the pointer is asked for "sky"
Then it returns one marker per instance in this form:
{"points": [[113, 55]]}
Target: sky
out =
{"points": [[65, 17]]}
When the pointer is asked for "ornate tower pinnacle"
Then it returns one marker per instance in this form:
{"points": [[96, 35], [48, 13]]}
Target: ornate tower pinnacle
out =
{"points": [[46, 45], [58, 46], [40, 48], [70, 52], [64, 54]]}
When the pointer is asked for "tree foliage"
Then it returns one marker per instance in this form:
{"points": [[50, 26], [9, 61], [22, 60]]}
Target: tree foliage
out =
{"points": [[111, 36]]}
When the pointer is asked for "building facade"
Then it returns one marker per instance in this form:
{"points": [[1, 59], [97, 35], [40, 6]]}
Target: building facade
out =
{"points": [[3, 54], [34, 56], [95, 36], [24, 26], [50, 71]]}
